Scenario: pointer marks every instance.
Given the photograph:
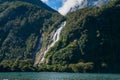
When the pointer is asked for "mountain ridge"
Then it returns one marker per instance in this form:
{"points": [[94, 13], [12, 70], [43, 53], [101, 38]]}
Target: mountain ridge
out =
{"points": [[35, 2], [71, 6], [89, 42], [21, 26]]}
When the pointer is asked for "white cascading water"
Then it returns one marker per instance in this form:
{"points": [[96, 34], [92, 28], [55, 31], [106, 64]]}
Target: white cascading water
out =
{"points": [[55, 38]]}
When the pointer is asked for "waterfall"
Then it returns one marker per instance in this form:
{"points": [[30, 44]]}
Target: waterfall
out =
{"points": [[55, 38]]}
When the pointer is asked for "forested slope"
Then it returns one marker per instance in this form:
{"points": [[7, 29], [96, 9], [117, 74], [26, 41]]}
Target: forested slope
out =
{"points": [[90, 40], [22, 23]]}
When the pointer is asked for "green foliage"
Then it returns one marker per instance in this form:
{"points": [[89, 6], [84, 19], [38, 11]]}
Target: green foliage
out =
{"points": [[78, 67], [22, 23], [89, 41], [96, 34], [21, 26], [17, 65], [67, 55], [82, 67]]}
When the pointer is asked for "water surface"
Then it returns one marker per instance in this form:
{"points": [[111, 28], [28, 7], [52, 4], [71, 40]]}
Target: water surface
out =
{"points": [[56, 76]]}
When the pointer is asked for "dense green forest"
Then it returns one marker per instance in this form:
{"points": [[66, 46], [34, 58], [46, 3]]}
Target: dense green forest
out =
{"points": [[22, 23], [90, 41]]}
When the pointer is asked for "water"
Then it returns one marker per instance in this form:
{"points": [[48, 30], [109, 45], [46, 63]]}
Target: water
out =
{"points": [[55, 38], [56, 76]]}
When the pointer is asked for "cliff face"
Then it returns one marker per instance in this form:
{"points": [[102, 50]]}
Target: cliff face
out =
{"points": [[22, 23], [90, 38], [86, 40]]}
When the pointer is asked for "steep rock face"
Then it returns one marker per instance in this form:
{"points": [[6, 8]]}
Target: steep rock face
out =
{"points": [[90, 35], [54, 37], [22, 23], [88, 42]]}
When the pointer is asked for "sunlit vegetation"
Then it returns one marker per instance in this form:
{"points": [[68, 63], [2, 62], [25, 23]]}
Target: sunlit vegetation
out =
{"points": [[21, 26], [90, 35], [90, 41]]}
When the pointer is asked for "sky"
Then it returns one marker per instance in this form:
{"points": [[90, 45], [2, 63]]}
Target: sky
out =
{"points": [[55, 4], [63, 6], [66, 6]]}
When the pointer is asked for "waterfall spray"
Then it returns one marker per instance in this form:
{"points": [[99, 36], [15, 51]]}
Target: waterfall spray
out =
{"points": [[55, 38]]}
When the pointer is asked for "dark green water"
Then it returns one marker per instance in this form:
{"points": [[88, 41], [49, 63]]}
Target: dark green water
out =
{"points": [[57, 76]]}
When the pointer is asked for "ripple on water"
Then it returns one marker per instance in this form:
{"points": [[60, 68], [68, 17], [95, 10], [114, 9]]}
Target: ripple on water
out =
{"points": [[56, 76]]}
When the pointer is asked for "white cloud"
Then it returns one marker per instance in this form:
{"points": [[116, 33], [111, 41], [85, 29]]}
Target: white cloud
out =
{"points": [[45, 1], [100, 2], [71, 5]]}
